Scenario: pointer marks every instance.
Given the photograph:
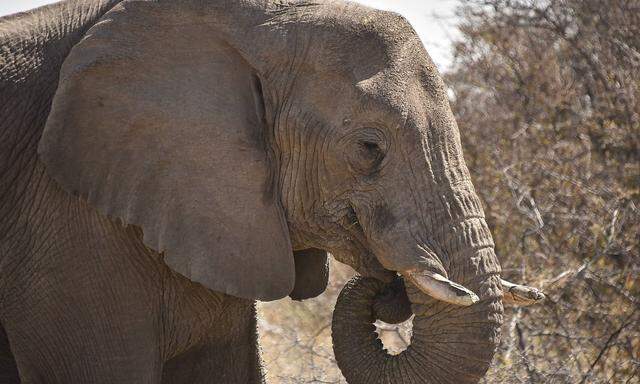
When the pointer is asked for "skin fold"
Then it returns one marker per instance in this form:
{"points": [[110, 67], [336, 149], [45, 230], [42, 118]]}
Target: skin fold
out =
{"points": [[164, 164]]}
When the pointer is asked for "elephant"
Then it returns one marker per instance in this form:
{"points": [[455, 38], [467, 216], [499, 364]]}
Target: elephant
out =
{"points": [[165, 164]]}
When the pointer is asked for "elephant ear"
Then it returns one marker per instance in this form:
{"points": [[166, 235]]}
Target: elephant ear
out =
{"points": [[160, 123]]}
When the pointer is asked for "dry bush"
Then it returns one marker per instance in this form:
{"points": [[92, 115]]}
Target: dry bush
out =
{"points": [[546, 94]]}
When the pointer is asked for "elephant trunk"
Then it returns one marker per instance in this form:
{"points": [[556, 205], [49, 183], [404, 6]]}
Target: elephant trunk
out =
{"points": [[450, 344]]}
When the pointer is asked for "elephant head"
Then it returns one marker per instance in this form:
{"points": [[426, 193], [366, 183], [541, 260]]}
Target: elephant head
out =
{"points": [[237, 134]]}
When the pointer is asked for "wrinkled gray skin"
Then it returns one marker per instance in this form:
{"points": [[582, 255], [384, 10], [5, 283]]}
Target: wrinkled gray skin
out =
{"points": [[164, 164]]}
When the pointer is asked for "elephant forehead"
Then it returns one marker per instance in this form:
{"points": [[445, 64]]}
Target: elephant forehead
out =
{"points": [[388, 62], [356, 40], [408, 85], [405, 98]]}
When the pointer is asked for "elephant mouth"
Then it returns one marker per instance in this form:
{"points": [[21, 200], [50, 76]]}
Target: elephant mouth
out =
{"points": [[352, 226], [354, 249], [430, 280]]}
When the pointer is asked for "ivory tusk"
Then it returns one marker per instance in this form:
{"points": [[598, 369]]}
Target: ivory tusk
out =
{"points": [[520, 295], [441, 288]]}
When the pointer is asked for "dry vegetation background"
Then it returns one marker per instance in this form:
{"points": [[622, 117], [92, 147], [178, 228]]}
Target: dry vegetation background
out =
{"points": [[547, 98]]}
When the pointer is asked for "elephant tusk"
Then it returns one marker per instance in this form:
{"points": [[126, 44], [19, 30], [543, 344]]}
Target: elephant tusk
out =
{"points": [[441, 288], [520, 295]]}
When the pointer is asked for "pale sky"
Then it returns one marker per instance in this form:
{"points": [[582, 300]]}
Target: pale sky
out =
{"points": [[434, 20]]}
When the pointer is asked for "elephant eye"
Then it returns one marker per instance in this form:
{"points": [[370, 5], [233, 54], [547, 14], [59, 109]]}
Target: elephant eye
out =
{"points": [[370, 153], [365, 150], [370, 147]]}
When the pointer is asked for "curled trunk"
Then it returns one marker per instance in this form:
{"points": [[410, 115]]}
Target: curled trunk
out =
{"points": [[450, 344]]}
